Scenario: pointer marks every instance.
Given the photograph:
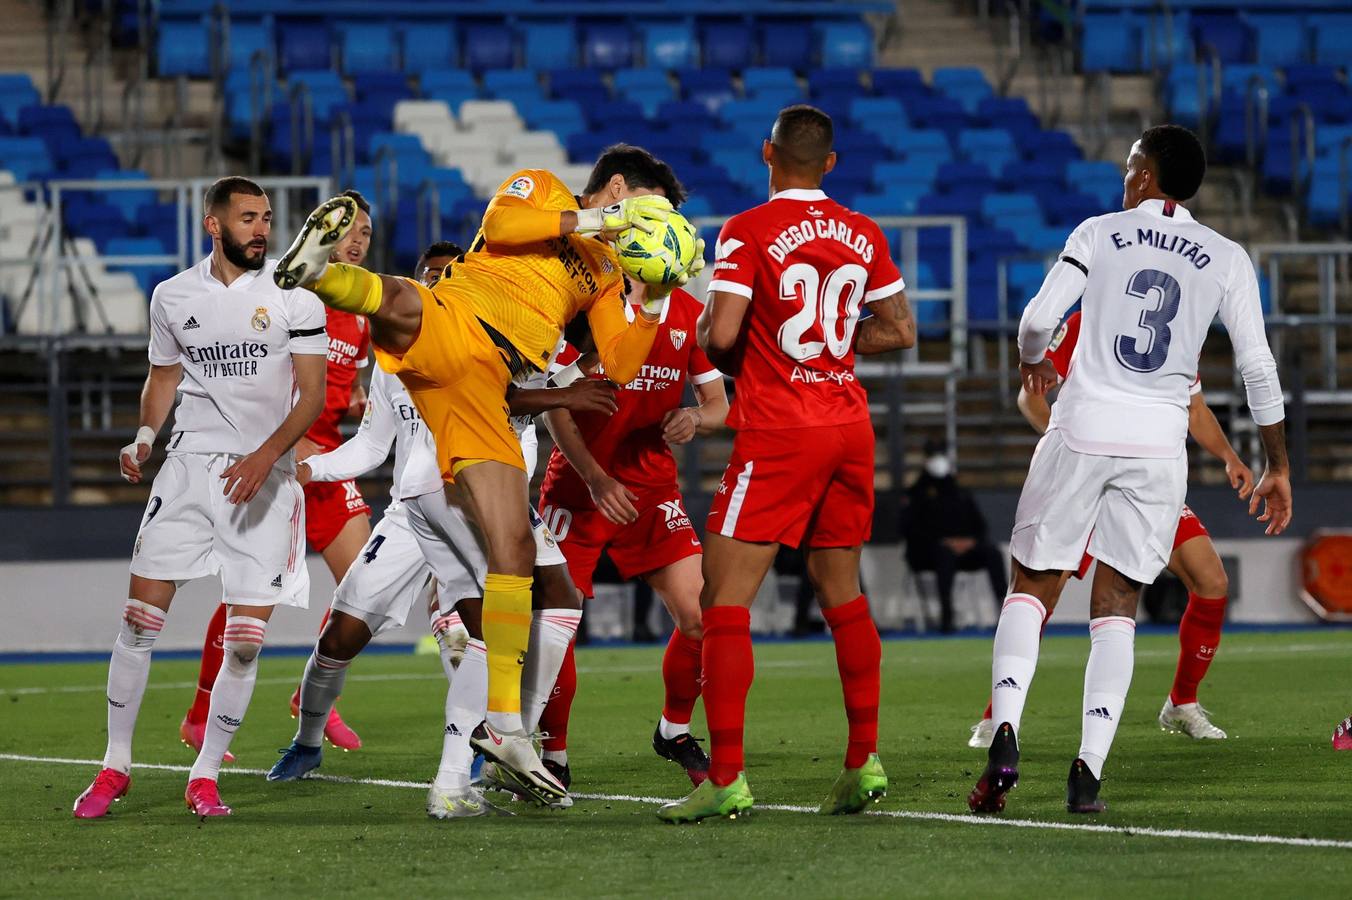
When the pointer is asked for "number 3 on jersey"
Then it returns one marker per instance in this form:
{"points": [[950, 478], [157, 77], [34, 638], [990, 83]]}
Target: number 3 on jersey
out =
{"points": [[821, 305], [1154, 320]]}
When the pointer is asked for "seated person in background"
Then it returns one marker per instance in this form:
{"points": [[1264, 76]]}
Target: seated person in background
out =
{"points": [[946, 533]]}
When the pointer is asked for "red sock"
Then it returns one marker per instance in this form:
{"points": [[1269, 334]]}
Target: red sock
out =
{"points": [[729, 668], [554, 720], [987, 714], [681, 666], [1199, 634], [213, 650], [859, 655]]}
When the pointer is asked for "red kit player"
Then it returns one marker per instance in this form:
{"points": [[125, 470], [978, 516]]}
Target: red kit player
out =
{"points": [[337, 519], [611, 486], [1194, 559], [790, 279]]}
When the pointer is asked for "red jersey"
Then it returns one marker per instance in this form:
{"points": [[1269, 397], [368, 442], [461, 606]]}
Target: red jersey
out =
{"points": [[628, 445], [807, 264], [349, 347], [1062, 350]]}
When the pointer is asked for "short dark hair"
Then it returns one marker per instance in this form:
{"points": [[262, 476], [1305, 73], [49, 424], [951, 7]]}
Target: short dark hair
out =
{"points": [[1178, 158], [804, 133], [362, 203], [440, 248], [219, 194], [640, 170]]}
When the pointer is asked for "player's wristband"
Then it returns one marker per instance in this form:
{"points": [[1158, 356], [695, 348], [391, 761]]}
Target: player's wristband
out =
{"points": [[145, 435], [568, 374], [589, 221]]}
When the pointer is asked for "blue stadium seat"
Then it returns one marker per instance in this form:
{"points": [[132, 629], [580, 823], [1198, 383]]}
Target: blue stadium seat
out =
{"points": [[147, 274], [878, 114], [607, 46], [901, 83], [183, 48], [429, 48], [1227, 34], [1327, 191], [326, 89], [1331, 42], [247, 39], [965, 85], [26, 157], [726, 45], [1049, 146], [86, 155], [407, 150], [583, 86], [998, 209], [1035, 177], [844, 83], [368, 47], [669, 45], [548, 45], [16, 92], [563, 117], [848, 44], [758, 80], [989, 147], [1187, 93], [1168, 44], [1111, 42], [305, 46], [964, 177], [55, 125], [710, 87], [489, 46], [1279, 38], [786, 43], [515, 82]]}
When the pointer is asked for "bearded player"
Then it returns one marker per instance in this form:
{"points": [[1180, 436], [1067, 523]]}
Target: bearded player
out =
{"points": [[611, 486], [541, 257], [790, 279], [1193, 559], [337, 519]]}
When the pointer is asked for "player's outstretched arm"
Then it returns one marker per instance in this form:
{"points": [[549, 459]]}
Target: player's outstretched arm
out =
{"points": [[1205, 430], [583, 395], [362, 452], [157, 398], [890, 327], [720, 328], [1274, 489], [621, 345], [246, 475]]}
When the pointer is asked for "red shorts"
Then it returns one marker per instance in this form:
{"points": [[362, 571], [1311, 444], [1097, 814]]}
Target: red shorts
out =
{"points": [[1189, 527], [328, 506], [795, 486], [661, 535]]}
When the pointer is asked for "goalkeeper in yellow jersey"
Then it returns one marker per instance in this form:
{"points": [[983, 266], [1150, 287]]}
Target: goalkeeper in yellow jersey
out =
{"points": [[541, 256]]}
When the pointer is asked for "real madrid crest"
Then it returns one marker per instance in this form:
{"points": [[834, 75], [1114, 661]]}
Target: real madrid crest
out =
{"points": [[677, 337], [260, 320]]}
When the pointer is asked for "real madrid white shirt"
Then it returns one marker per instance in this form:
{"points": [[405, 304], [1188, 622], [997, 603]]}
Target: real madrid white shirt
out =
{"points": [[234, 343], [1153, 280]]}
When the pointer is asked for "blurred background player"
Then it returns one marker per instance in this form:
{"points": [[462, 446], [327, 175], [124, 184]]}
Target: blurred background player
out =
{"points": [[248, 361], [1111, 472], [783, 319], [611, 487], [946, 532], [534, 265], [337, 519]]}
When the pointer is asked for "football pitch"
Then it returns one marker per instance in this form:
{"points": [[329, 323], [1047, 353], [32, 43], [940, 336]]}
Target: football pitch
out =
{"points": [[1260, 814]]}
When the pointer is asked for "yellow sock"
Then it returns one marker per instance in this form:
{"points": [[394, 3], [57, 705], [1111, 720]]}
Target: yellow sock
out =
{"points": [[506, 623], [349, 288]]}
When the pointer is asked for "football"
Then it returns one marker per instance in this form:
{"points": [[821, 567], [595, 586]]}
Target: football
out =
{"points": [[659, 257]]}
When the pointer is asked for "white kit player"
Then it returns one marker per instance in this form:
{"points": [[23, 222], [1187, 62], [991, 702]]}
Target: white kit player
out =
{"points": [[421, 536], [248, 361], [1111, 471]]}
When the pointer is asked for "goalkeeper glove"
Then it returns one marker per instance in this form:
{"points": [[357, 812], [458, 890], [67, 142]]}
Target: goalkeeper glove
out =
{"points": [[632, 212]]}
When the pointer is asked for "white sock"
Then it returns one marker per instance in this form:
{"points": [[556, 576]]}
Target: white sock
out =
{"points": [[551, 631], [1107, 678], [1014, 659], [230, 696], [466, 703], [671, 730], [128, 671], [442, 628], [319, 690], [557, 756]]}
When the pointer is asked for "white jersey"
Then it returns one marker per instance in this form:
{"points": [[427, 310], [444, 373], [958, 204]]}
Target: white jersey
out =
{"points": [[391, 418], [1153, 280], [235, 344]]}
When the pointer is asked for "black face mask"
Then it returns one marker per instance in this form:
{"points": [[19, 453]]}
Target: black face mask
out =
{"points": [[238, 254]]}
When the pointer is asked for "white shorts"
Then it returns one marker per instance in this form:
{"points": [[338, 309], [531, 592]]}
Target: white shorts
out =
{"points": [[387, 577], [452, 547], [190, 530], [1130, 506]]}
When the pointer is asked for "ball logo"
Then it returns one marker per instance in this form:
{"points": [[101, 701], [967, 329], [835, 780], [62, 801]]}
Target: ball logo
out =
{"points": [[260, 320], [521, 187], [678, 336]]}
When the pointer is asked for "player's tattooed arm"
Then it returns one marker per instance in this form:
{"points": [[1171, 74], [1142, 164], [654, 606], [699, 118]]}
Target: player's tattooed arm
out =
{"points": [[719, 330], [891, 327], [1274, 490]]}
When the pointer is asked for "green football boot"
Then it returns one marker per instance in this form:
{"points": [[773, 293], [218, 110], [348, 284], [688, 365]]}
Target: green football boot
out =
{"points": [[855, 789], [709, 800]]}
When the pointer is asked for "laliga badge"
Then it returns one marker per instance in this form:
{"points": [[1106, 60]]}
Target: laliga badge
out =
{"points": [[677, 337], [260, 320]]}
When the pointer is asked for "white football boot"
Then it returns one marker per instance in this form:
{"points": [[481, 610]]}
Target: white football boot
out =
{"points": [[518, 763], [460, 804], [1190, 719], [983, 733], [308, 254]]}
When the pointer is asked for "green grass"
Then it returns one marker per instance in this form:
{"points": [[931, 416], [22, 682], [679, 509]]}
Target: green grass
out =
{"points": [[1277, 694]]}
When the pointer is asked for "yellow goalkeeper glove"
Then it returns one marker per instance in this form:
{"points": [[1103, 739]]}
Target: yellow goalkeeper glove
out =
{"points": [[633, 212]]}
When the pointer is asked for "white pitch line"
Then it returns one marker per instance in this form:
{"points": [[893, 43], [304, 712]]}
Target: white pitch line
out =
{"points": [[391, 676], [1127, 830]]}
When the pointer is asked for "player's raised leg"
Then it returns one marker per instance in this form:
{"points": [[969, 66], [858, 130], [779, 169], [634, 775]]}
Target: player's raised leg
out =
{"points": [[679, 586], [1196, 562], [834, 572]]}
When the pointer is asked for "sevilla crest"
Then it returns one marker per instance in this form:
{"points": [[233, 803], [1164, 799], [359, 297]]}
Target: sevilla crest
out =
{"points": [[678, 337]]}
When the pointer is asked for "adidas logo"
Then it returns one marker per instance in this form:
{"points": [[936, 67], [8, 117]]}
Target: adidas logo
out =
{"points": [[191, 324], [1008, 683], [1099, 712], [277, 582], [453, 731]]}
